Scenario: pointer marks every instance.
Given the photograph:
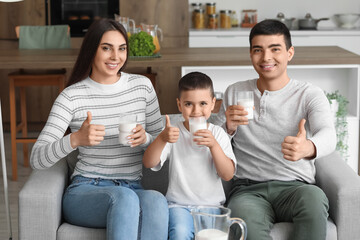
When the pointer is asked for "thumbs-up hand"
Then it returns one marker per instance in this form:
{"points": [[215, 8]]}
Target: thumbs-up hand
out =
{"points": [[169, 134], [298, 147], [88, 134]]}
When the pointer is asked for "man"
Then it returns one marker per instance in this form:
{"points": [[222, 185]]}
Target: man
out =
{"points": [[276, 150]]}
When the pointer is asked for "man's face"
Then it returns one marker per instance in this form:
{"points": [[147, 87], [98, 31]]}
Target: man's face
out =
{"points": [[270, 57]]}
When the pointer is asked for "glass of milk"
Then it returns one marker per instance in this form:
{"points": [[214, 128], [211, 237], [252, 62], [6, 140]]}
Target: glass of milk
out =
{"points": [[195, 124], [246, 99], [213, 223], [126, 124]]}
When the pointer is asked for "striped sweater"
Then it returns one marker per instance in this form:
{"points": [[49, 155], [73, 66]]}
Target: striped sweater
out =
{"points": [[132, 94]]}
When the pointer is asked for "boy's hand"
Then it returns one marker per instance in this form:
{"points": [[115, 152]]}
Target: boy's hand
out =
{"points": [[205, 138], [169, 134], [235, 116], [88, 134], [139, 136], [296, 148]]}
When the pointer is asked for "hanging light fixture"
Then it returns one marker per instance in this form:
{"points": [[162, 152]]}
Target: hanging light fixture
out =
{"points": [[11, 0]]}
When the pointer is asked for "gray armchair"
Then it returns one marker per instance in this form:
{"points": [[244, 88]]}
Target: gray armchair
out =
{"points": [[40, 199]]}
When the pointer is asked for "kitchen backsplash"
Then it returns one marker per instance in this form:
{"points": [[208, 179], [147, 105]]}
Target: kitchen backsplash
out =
{"points": [[296, 9]]}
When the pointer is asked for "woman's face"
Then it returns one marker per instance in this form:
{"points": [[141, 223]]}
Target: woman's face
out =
{"points": [[109, 58]]}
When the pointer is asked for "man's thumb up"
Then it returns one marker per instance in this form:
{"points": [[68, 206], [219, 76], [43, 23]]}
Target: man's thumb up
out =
{"points": [[302, 131], [168, 124], [88, 119]]}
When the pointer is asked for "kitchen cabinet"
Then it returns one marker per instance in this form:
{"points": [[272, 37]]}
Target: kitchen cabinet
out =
{"points": [[239, 37], [329, 77]]}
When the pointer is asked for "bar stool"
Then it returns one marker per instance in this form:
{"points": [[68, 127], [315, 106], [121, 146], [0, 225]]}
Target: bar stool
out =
{"points": [[25, 78], [21, 81]]}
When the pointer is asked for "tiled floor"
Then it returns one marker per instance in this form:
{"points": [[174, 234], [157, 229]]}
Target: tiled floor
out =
{"points": [[14, 188]]}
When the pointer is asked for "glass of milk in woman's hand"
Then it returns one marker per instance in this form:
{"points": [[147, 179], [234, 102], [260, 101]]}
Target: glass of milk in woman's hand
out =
{"points": [[195, 124], [126, 125], [246, 99]]}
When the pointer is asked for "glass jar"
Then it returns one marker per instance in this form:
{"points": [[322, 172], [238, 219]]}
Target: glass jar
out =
{"points": [[225, 18], [234, 19], [248, 18], [199, 18], [192, 9], [213, 21], [210, 8]]}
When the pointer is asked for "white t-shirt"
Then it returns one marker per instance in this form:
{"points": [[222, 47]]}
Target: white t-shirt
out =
{"points": [[193, 179]]}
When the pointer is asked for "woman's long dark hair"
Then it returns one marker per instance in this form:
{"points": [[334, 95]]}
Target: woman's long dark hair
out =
{"points": [[82, 67]]}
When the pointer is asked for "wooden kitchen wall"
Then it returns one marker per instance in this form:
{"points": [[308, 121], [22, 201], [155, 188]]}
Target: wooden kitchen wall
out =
{"points": [[173, 19], [170, 15], [20, 13], [11, 15]]}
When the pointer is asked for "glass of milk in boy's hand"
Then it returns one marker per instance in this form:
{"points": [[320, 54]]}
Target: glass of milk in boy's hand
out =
{"points": [[126, 124], [195, 124], [246, 99]]}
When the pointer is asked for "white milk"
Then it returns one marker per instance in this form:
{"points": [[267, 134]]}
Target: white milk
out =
{"points": [[125, 129], [211, 234], [248, 104], [195, 126]]}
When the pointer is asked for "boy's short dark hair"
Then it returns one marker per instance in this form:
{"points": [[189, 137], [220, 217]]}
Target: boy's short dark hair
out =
{"points": [[271, 27], [196, 80]]}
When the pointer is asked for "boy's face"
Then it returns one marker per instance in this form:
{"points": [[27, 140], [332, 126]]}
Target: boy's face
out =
{"points": [[270, 57], [196, 103]]}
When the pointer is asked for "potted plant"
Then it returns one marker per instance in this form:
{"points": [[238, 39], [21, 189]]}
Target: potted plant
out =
{"points": [[338, 104]]}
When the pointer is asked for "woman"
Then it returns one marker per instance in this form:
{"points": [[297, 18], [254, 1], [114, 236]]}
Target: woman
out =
{"points": [[105, 191]]}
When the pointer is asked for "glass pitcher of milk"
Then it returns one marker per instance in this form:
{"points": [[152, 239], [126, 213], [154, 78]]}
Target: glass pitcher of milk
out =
{"points": [[153, 30], [213, 223]]}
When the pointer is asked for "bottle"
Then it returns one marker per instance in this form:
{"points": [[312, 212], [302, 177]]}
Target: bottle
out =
{"points": [[210, 8], [213, 21], [199, 18], [193, 7], [225, 18]]}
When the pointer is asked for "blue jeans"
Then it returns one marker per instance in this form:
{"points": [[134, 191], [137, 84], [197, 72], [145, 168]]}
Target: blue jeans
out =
{"points": [[124, 208], [181, 224]]}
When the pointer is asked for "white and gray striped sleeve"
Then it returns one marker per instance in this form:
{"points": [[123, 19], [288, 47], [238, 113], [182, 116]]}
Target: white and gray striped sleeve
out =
{"points": [[52, 145]]}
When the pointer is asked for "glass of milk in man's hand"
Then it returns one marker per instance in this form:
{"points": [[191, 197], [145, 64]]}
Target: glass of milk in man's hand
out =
{"points": [[246, 99]]}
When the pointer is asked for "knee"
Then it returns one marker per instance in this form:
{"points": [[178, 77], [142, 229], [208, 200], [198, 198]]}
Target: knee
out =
{"points": [[154, 203], [181, 232], [312, 200], [124, 199]]}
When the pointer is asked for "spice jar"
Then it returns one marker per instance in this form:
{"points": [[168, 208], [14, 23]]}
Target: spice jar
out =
{"points": [[193, 7], [225, 18], [213, 21], [199, 18], [210, 8]]}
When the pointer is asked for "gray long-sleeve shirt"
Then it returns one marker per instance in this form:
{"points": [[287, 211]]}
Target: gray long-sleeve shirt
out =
{"points": [[277, 114]]}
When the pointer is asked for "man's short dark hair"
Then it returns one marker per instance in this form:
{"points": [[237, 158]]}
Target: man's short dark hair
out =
{"points": [[271, 27], [196, 80]]}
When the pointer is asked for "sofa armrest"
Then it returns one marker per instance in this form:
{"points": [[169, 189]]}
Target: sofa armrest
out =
{"points": [[342, 187], [40, 202]]}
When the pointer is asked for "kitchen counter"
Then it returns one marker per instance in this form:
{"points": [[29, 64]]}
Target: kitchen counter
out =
{"points": [[175, 57], [324, 31]]}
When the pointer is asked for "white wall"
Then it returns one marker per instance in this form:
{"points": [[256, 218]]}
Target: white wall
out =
{"points": [[291, 8]]}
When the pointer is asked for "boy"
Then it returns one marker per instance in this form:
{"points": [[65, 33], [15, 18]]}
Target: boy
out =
{"points": [[195, 172], [276, 151]]}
